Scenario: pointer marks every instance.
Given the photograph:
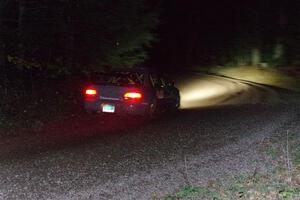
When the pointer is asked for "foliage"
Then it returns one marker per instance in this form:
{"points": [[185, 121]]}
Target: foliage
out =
{"points": [[82, 35], [21, 110], [211, 35], [197, 192]]}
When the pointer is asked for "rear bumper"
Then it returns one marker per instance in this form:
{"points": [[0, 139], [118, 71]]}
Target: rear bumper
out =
{"points": [[121, 108]]}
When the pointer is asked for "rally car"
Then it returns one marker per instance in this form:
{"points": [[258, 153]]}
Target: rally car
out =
{"points": [[134, 92]]}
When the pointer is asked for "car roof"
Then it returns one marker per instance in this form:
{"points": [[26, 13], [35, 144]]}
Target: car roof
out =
{"points": [[140, 70], [135, 70]]}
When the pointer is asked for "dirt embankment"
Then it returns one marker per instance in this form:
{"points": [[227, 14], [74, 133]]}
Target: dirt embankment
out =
{"points": [[288, 78]]}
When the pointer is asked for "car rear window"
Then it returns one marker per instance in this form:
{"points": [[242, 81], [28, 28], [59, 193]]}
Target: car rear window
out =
{"points": [[118, 79]]}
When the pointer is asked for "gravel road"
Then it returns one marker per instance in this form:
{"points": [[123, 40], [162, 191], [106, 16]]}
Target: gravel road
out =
{"points": [[88, 157]]}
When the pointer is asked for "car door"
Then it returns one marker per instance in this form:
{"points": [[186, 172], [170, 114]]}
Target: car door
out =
{"points": [[159, 90], [170, 92]]}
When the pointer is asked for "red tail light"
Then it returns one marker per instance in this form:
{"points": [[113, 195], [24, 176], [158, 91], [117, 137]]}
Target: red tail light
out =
{"points": [[90, 92], [133, 96]]}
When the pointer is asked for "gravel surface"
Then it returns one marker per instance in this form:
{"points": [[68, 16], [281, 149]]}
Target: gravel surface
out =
{"points": [[90, 157]]}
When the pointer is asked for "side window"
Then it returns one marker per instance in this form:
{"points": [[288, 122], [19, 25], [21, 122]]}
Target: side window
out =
{"points": [[158, 85], [141, 78], [155, 80], [163, 81], [167, 81]]}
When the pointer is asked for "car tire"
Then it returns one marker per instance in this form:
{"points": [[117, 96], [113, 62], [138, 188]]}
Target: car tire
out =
{"points": [[151, 112], [177, 102], [91, 112]]}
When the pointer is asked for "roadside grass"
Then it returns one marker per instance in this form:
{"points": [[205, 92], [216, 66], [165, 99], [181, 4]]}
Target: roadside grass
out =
{"points": [[22, 112], [281, 181]]}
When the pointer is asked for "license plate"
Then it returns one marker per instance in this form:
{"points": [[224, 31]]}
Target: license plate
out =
{"points": [[108, 108]]}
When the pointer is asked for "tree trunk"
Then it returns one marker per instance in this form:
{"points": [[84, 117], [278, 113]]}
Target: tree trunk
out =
{"points": [[21, 28], [3, 75], [255, 57], [69, 50], [69, 53], [27, 78], [2, 52]]}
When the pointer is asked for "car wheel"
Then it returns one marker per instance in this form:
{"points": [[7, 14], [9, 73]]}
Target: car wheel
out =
{"points": [[151, 111], [177, 103], [91, 112]]}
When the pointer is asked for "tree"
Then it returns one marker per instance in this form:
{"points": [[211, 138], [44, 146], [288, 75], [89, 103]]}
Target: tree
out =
{"points": [[115, 33], [77, 35], [3, 77]]}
